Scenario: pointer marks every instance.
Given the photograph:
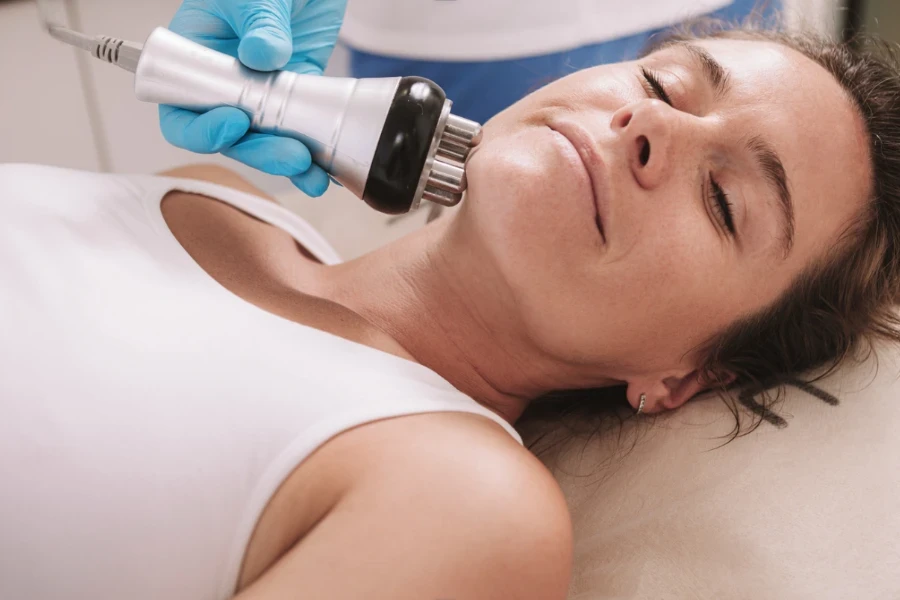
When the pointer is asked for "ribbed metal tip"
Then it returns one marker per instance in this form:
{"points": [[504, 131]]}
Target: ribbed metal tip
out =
{"points": [[116, 51], [447, 180], [119, 52]]}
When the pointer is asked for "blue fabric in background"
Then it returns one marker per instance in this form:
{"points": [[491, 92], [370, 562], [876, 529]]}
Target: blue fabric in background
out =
{"points": [[480, 90]]}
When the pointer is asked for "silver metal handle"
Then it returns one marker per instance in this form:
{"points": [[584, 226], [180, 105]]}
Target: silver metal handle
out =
{"points": [[339, 119]]}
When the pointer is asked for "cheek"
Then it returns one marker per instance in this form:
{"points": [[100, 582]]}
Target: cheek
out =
{"points": [[668, 291], [674, 275], [673, 292], [529, 204]]}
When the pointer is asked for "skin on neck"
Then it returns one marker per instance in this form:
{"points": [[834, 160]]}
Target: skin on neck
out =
{"points": [[429, 293]]}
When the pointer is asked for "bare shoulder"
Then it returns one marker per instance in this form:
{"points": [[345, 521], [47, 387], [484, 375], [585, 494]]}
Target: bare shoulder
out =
{"points": [[462, 512], [468, 452]]}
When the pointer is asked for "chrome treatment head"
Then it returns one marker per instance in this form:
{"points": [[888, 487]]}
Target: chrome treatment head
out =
{"points": [[444, 176]]}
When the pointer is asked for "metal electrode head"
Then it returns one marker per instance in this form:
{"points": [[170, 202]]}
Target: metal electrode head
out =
{"points": [[447, 177]]}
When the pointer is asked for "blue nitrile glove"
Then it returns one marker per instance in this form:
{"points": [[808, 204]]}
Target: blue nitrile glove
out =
{"points": [[265, 35]]}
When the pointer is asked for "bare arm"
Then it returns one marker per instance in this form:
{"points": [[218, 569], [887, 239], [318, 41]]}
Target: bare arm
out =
{"points": [[453, 524]]}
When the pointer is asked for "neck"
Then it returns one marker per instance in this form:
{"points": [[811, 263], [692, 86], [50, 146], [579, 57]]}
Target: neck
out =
{"points": [[447, 313]]}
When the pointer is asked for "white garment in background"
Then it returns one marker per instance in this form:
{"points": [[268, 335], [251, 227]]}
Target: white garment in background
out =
{"points": [[499, 29], [147, 414]]}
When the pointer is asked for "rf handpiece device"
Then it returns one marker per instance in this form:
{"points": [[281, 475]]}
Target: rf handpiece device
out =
{"points": [[390, 141]]}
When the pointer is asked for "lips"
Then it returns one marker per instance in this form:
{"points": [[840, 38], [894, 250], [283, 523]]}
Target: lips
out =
{"points": [[596, 170]]}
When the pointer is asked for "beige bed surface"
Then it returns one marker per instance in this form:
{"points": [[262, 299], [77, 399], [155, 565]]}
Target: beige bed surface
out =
{"points": [[810, 510]]}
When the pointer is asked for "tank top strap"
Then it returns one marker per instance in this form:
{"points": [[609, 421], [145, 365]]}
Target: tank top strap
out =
{"points": [[156, 188]]}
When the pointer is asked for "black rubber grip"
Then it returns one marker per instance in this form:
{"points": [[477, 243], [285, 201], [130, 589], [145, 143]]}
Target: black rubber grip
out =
{"points": [[403, 146]]}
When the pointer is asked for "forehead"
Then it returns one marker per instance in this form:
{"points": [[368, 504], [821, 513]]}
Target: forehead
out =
{"points": [[804, 113]]}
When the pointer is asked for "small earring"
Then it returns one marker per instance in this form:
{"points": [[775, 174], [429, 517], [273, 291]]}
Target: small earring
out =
{"points": [[640, 408]]}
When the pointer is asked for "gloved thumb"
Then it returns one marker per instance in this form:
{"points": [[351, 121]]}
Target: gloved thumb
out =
{"points": [[265, 31]]}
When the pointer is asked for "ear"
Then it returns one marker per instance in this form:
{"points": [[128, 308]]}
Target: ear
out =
{"points": [[669, 392], [682, 389]]}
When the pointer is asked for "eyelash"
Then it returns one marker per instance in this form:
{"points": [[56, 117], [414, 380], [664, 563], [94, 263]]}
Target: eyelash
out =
{"points": [[716, 194]]}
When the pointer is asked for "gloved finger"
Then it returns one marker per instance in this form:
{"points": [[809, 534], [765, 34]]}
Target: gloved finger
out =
{"points": [[264, 27], [199, 22], [316, 27], [206, 133], [301, 66], [312, 183], [271, 154]]}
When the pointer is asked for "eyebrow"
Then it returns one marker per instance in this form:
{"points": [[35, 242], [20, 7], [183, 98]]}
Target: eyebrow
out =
{"points": [[712, 69], [764, 155], [773, 170]]}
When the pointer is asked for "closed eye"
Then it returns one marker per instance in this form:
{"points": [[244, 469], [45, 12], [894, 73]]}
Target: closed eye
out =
{"points": [[722, 206], [654, 86]]}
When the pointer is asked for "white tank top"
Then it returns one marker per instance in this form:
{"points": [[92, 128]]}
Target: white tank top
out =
{"points": [[147, 414], [500, 29]]}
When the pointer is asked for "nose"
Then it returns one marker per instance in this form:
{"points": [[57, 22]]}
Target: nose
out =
{"points": [[646, 130]]}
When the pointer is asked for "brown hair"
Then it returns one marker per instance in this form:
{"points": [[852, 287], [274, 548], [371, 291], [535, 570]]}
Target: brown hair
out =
{"points": [[838, 306]]}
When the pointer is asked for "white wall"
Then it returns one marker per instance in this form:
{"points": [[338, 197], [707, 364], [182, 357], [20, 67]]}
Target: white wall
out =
{"points": [[43, 113], [823, 15]]}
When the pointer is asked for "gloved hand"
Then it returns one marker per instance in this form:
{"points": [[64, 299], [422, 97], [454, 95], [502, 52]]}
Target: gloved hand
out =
{"points": [[265, 35]]}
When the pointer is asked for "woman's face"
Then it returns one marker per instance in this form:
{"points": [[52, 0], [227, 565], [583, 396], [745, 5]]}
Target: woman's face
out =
{"points": [[631, 230]]}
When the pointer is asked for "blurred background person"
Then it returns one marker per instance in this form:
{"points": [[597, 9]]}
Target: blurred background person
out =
{"points": [[488, 54]]}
